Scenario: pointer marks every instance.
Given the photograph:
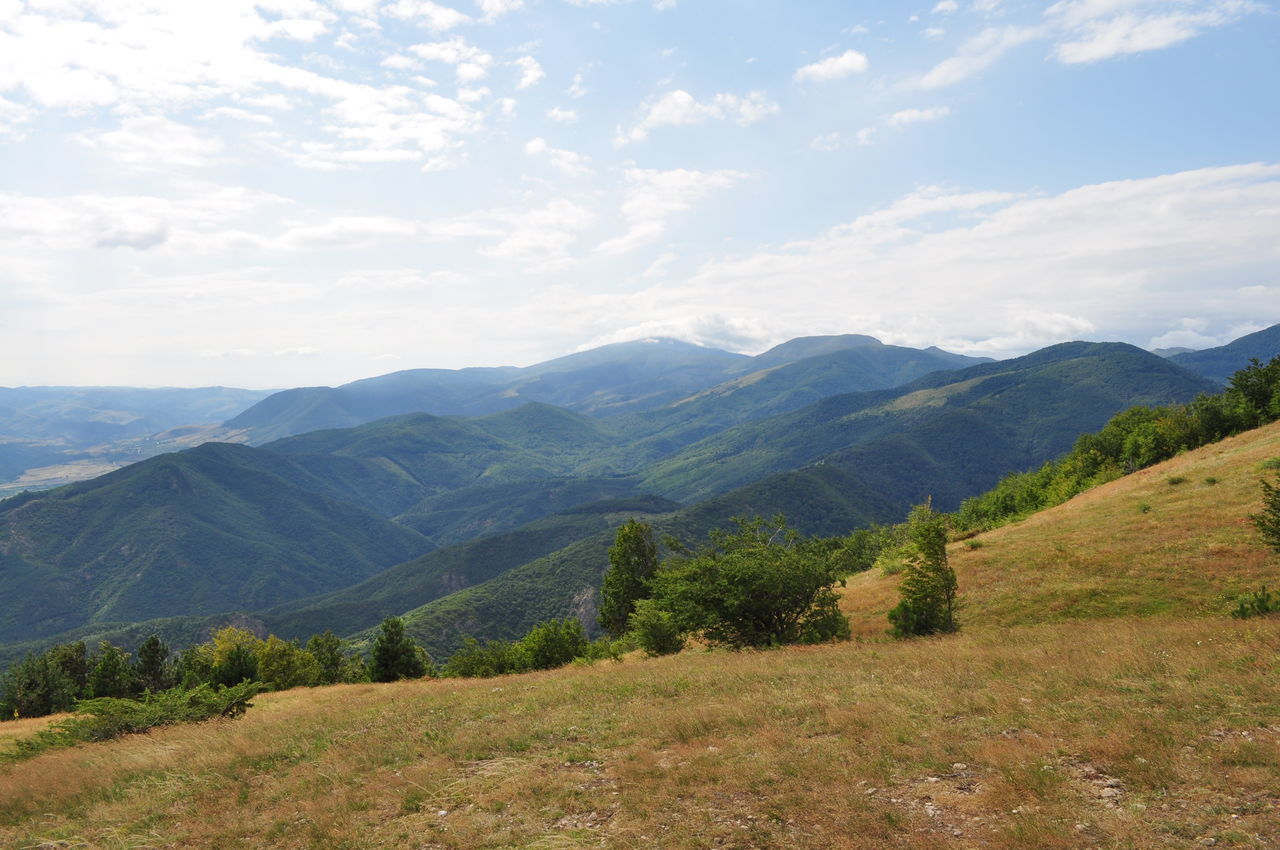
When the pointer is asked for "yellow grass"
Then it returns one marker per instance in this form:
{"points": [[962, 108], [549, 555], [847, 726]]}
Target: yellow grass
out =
{"points": [[1091, 730], [1139, 545]]}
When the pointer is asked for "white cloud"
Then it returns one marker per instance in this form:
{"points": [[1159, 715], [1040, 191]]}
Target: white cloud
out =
{"points": [[945, 7], [433, 16], [933, 32], [977, 54], [654, 196], [679, 108], [916, 116], [1094, 30], [494, 9], [154, 143], [531, 72], [826, 142], [236, 114], [540, 240], [1091, 31], [576, 88], [470, 62], [568, 162], [562, 116], [833, 68], [1044, 269]]}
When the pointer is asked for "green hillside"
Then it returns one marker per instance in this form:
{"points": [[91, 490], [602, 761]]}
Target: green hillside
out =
{"points": [[564, 583], [972, 425], [446, 571], [217, 528]]}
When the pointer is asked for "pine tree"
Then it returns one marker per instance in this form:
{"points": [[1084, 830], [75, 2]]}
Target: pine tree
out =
{"points": [[1268, 521], [633, 559], [153, 669], [395, 655], [929, 588], [112, 675]]}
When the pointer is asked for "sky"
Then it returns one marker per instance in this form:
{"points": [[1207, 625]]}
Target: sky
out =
{"points": [[307, 192]]}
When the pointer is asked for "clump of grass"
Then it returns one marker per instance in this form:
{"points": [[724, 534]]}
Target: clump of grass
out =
{"points": [[1271, 463], [1210, 481], [1144, 508], [1257, 604], [973, 544], [1177, 479]]}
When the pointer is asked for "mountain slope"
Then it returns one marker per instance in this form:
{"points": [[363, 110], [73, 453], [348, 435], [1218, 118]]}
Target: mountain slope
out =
{"points": [[608, 381], [216, 528], [445, 571], [1220, 363], [973, 424]]}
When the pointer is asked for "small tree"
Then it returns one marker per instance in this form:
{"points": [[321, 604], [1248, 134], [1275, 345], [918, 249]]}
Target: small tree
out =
{"points": [[633, 559], [326, 648], [929, 589], [153, 670], [395, 655], [1268, 521], [283, 664], [112, 675], [239, 664]]}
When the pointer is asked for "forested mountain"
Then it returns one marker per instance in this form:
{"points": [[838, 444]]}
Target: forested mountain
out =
{"points": [[609, 381], [217, 528], [1222, 362], [949, 433]]}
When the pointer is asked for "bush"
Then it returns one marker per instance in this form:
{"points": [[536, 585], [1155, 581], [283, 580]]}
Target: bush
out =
{"points": [[758, 586], [554, 643], [483, 660], [656, 631], [110, 717]]}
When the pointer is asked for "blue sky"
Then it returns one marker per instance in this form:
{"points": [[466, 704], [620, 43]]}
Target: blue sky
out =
{"points": [[297, 192]]}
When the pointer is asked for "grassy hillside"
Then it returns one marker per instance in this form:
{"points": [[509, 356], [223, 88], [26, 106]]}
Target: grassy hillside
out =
{"points": [[1173, 539], [1139, 734]]}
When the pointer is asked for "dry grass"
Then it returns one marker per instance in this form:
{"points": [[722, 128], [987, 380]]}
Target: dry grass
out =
{"points": [[1140, 545], [1125, 732]]}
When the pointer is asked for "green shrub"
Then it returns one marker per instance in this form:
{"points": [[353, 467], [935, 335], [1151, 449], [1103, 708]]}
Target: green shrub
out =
{"points": [[655, 630], [110, 717], [758, 586], [1257, 604], [554, 643], [1177, 479]]}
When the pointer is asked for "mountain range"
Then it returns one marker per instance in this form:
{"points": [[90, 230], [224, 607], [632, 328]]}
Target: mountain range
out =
{"points": [[486, 524]]}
